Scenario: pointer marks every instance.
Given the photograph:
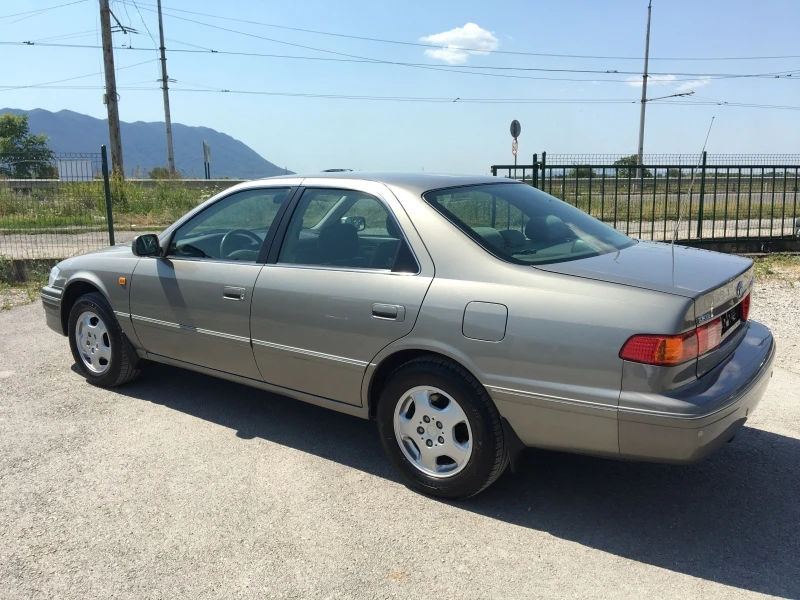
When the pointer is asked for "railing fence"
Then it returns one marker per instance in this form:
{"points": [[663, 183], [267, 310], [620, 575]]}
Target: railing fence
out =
{"points": [[728, 200]]}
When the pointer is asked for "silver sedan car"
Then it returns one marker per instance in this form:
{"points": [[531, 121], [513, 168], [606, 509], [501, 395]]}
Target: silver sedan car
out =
{"points": [[470, 316]]}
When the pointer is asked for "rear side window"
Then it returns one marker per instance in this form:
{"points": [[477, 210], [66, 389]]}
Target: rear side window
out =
{"points": [[356, 231], [523, 225]]}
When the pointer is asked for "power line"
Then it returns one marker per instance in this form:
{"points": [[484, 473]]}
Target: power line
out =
{"points": [[454, 68], [41, 10], [423, 45], [47, 83], [437, 100], [66, 36], [795, 74], [141, 18]]}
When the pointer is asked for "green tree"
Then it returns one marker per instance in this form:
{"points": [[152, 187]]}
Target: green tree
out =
{"points": [[629, 167], [163, 173], [23, 155], [581, 171], [674, 173]]}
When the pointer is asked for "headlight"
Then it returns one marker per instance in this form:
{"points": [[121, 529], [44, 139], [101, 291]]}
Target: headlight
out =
{"points": [[53, 276]]}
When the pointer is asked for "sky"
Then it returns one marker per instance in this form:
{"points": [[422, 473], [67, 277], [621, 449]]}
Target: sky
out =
{"points": [[453, 133]]}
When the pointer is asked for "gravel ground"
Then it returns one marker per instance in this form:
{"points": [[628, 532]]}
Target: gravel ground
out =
{"points": [[776, 303], [181, 485]]}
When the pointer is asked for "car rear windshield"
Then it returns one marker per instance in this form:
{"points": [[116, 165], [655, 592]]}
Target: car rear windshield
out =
{"points": [[523, 225]]}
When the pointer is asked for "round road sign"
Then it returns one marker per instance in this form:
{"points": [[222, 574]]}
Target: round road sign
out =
{"points": [[516, 128]]}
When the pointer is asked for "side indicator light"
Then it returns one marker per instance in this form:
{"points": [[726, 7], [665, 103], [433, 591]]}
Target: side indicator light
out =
{"points": [[122, 280]]}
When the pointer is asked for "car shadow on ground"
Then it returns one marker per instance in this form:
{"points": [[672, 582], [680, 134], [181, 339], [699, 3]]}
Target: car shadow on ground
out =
{"points": [[733, 519]]}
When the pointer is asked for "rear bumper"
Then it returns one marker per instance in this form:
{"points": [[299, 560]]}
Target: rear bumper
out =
{"points": [[701, 417], [51, 301]]}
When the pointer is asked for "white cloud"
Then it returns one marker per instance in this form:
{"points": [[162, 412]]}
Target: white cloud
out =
{"points": [[475, 39], [683, 86], [636, 80], [690, 85]]}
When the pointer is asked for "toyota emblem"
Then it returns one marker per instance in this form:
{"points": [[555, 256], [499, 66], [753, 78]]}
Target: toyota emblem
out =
{"points": [[739, 289]]}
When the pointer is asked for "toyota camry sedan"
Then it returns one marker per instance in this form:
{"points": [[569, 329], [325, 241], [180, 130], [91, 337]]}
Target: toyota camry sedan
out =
{"points": [[471, 317]]}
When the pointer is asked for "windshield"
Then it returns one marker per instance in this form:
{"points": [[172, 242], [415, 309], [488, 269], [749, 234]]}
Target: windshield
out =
{"points": [[521, 224]]}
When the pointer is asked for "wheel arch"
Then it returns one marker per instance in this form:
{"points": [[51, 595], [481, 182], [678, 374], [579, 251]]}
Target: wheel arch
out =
{"points": [[391, 359], [77, 286]]}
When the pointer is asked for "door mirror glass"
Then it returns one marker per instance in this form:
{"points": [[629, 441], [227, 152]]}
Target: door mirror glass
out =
{"points": [[145, 245], [360, 223]]}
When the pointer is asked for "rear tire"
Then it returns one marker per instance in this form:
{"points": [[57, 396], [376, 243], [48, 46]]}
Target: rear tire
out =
{"points": [[440, 448], [100, 348]]}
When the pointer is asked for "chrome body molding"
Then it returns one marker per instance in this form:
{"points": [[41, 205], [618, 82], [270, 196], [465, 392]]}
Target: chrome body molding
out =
{"points": [[548, 398], [349, 361], [189, 328], [122, 315]]}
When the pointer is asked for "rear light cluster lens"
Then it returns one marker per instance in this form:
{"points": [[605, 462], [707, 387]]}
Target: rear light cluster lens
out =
{"points": [[709, 336], [660, 349], [667, 350], [746, 307]]}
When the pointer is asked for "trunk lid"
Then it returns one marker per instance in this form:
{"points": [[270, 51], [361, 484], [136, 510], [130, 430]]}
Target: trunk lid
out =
{"points": [[678, 270]]}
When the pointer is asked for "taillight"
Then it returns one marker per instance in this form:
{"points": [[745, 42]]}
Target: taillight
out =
{"points": [[668, 350], [746, 307], [662, 350], [709, 336]]}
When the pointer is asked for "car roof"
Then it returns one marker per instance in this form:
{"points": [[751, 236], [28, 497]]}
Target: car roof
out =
{"points": [[416, 183]]}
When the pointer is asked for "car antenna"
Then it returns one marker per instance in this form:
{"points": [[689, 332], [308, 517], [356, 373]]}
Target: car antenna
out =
{"points": [[691, 184]]}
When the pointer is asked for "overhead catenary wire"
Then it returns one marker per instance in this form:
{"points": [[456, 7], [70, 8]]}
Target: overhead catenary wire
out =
{"points": [[449, 100], [464, 49], [784, 75], [47, 84], [41, 10], [456, 67]]}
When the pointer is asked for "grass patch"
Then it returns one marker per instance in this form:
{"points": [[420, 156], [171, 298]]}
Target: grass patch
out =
{"points": [[785, 267], [77, 207]]}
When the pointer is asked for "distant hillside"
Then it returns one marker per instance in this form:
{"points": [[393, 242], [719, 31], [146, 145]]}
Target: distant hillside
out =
{"points": [[144, 144]]}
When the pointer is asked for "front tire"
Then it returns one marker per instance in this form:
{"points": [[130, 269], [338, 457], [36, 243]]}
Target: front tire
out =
{"points": [[440, 429], [101, 351]]}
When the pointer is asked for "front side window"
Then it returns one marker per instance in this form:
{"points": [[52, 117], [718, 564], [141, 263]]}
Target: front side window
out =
{"points": [[232, 229], [523, 225], [356, 231]]}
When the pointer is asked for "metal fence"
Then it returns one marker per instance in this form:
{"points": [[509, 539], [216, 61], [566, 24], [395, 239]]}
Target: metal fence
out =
{"points": [[729, 200], [54, 205]]}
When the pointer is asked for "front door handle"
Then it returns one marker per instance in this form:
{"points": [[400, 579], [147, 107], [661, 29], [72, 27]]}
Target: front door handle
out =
{"points": [[388, 312], [233, 293]]}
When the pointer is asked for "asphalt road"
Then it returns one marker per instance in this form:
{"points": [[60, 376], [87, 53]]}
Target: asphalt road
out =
{"points": [[180, 485]]}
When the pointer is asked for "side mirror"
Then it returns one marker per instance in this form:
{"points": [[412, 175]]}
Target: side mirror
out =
{"points": [[146, 245], [360, 223]]}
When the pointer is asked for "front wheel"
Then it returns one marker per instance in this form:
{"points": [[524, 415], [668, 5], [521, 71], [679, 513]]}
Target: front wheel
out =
{"points": [[441, 429], [100, 349]]}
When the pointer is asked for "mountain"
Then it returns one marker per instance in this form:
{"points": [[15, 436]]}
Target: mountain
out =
{"points": [[144, 144]]}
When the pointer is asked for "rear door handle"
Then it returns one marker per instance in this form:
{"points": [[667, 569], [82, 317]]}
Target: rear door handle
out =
{"points": [[233, 293], [388, 312]]}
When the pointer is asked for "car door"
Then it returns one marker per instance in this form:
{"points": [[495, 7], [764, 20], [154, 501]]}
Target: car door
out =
{"points": [[192, 304], [329, 299]]}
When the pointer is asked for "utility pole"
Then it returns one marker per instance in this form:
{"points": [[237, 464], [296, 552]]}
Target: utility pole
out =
{"points": [[111, 90], [644, 89], [165, 89]]}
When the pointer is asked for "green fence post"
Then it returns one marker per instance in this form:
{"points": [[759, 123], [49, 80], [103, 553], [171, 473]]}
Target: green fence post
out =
{"points": [[107, 186], [544, 161], [700, 201]]}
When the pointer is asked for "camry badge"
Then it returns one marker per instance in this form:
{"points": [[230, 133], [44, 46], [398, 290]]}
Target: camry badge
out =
{"points": [[739, 289]]}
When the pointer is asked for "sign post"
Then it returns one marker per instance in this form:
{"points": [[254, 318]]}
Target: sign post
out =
{"points": [[516, 129], [206, 160]]}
